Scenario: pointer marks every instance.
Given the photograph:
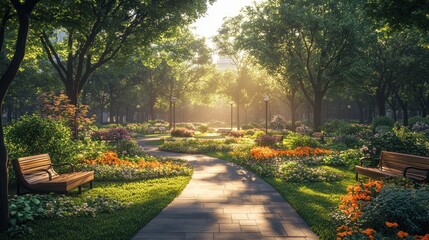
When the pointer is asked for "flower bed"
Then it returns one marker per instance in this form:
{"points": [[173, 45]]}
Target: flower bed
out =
{"points": [[377, 210], [259, 153], [110, 167], [197, 146]]}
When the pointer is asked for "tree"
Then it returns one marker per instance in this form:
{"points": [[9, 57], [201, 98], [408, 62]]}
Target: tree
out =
{"points": [[23, 13], [313, 41], [400, 14], [227, 46], [95, 31]]}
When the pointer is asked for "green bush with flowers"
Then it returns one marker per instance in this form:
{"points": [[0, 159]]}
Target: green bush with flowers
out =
{"points": [[384, 210]]}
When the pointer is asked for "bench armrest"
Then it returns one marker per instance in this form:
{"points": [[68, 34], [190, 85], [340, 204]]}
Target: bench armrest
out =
{"points": [[45, 170], [64, 164], [418, 169]]}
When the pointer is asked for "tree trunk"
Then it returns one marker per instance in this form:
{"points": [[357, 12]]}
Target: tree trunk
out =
{"points": [[24, 12], [317, 110], [381, 101]]}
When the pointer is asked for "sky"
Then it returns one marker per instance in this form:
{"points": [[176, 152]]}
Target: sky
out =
{"points": [[208, 25]]}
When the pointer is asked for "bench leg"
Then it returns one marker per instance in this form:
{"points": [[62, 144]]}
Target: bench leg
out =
{"points": [[357, 177], [80, 189], [91, 185]]}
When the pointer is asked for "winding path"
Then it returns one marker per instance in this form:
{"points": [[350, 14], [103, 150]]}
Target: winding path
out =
{"points": [[224, 201]]}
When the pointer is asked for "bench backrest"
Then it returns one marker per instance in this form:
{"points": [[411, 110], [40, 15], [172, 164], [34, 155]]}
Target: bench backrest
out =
{"points": [[397, 162], [34, 168], [278, 138]]}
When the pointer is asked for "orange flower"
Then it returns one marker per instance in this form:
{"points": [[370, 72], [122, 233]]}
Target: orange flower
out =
{"points": [[402, 234], [389, 224], [368, 231]]}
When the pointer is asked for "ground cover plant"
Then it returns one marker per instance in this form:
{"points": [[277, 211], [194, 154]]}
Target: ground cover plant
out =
{"points": [[134, 204]]}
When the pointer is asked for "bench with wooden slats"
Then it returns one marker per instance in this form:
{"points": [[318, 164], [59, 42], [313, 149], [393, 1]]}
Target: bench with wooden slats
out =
{"points": [[392, 164], [36, 174]]}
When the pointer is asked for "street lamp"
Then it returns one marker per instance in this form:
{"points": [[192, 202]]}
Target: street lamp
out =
{"points": [[349, 108], [173, 100], [231, 103], [266, 100], [138, 111]]}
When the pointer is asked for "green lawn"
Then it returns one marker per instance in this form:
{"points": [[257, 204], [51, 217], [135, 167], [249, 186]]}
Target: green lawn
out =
{"points": [[155, 142], [315, 202], [148, 197]]}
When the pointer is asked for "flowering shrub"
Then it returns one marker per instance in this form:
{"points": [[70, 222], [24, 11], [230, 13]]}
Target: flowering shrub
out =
{"points": [[182, 132], [259, 153], [266, 141], [114, 134], [377, 210], [293, 171], [126, 147], [400, 140], [236, 134], [278, 122], [421, 127], [139, 128], [348, 158], [111, 167], [303, 129], [58, 107]]}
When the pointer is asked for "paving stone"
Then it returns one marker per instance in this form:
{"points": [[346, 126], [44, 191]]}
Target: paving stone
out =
{"points": [[224, 201]]}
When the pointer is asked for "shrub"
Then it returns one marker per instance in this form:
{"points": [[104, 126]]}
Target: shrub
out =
{"points": [[351, 141], [114, 133], [258, 134], [32, 135], [293, 171], [203, 128], [278, 122], [378, 210], [381, 121], [251, 125], [182, 132], [421, 127], [407, 207], [349, 158], [236, 134], [266, 141], [130, 148], [296, 140], [413, 120], [188, 126], [197, 145], [402, 140], [302, 129], [58, 107]]}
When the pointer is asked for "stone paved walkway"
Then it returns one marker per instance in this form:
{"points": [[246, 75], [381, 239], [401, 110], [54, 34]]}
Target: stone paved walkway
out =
{"points": [[224, 201]]}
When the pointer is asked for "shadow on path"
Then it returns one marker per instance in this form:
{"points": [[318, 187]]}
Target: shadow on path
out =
{"points": [[224, 201]]}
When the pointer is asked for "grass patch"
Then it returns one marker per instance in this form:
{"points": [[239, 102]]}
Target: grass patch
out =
{"points": [[148, 197], [155, 142], [314, 201]]}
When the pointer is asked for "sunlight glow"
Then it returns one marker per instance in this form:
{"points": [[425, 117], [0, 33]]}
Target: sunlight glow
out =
{"points": [[208, 25]]}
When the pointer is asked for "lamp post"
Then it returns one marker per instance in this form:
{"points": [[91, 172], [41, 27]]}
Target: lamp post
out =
{"points": [[349, 108], [231, 103], [266, 100], [138, 111], [173, 100]]}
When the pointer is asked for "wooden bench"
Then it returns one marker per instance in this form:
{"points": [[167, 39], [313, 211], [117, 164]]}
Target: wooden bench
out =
{"points": [[36, 174], [278, 139], [392, 164]]}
